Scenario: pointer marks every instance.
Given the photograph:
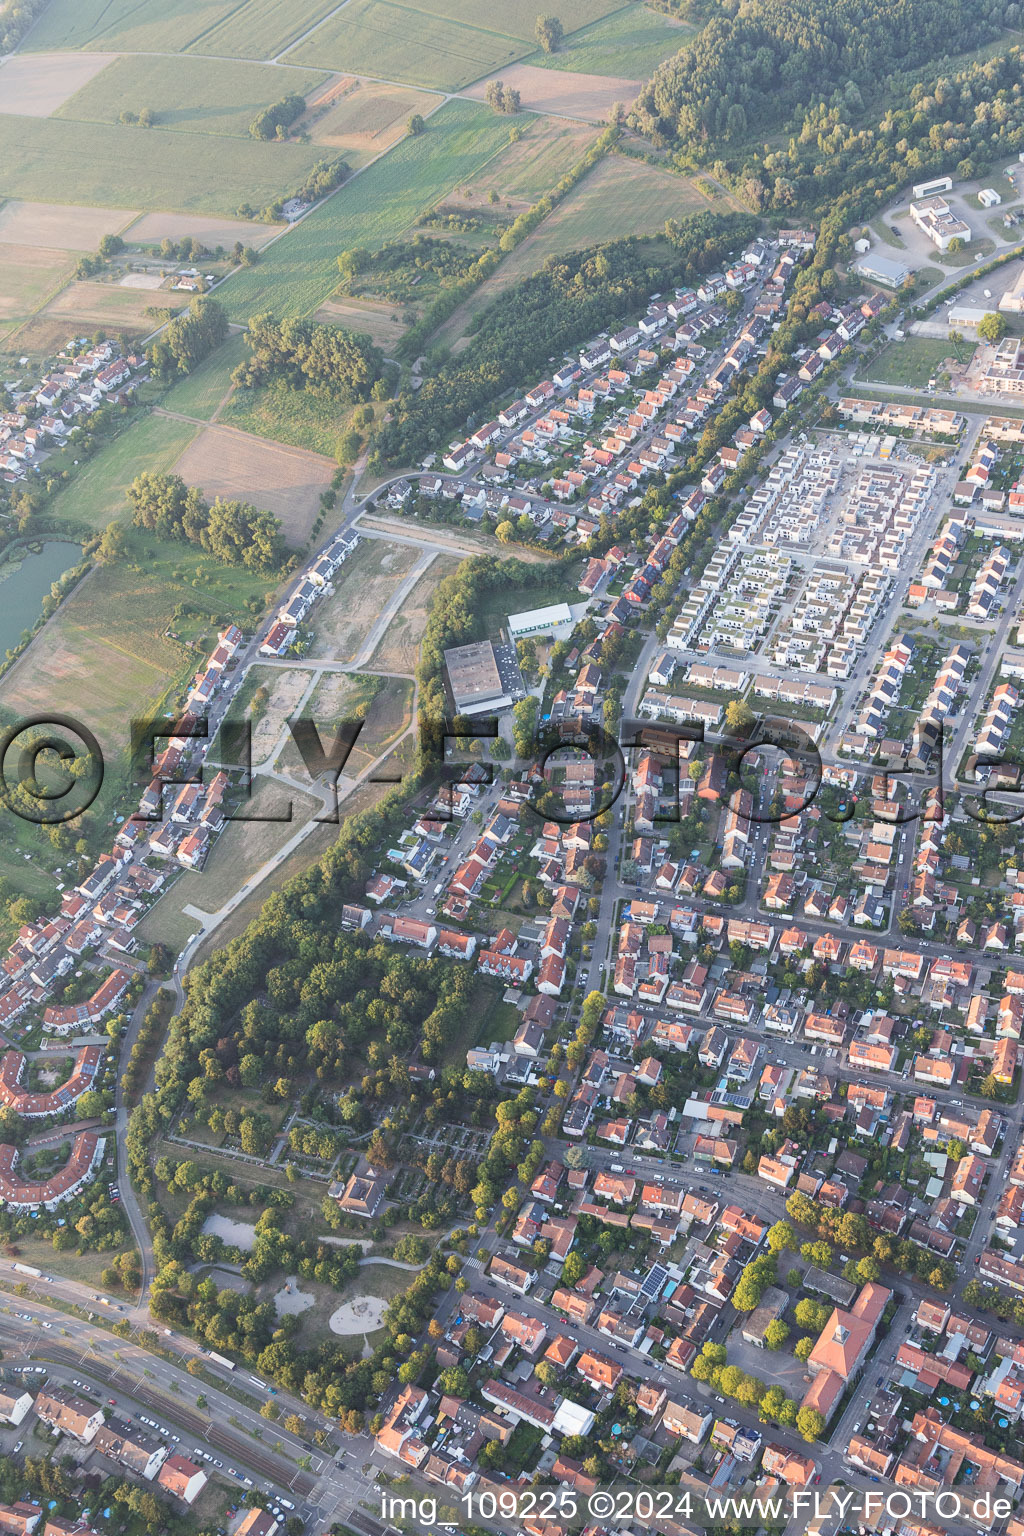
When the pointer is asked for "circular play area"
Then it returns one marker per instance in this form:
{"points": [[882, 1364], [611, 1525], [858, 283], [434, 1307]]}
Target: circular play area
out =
{"points": [[360, 1315]]}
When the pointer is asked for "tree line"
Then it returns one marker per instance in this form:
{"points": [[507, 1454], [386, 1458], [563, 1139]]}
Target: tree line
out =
{"points": [[233, 531], [187, 339]]}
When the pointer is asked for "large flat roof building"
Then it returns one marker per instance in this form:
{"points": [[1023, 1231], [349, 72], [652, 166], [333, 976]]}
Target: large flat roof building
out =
{"points": [[538, 621], [880, 269], [475, 678]]}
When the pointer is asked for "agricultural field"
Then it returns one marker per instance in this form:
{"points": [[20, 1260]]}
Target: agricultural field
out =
{"points": [[523, 172], [202, 391], [36, 84], [587, 97], [631, 42], [363, 587], [362, 118], [190, 95], [254, 28], [57, 160], [85, 304], [515, 18], [285, 481], [58, 228], [300, 271], [292, 416], [29, 275], [151, 228], [399, 647], [98, 493], [414, 46]]}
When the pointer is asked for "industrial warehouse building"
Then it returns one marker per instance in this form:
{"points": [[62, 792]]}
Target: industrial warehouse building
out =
{"points": [[475, 679]]}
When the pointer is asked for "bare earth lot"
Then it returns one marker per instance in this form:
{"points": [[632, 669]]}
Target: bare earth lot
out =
{"points": [[59, 228], [153, 227], [285, 481], [36, 84], [588, 97], [28, 273], [364, 585], [363, 315], [399, 650], [88, 305]]}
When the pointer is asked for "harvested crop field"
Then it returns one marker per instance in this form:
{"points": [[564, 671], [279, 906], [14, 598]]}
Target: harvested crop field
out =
{"points": [[363, 118], [28, 275], [59, 228], [36, 84], [154, 227], [285, 481], [254, 28], [378, 321], [90, 304], [399, 649], [588, 97], [363, 587]]}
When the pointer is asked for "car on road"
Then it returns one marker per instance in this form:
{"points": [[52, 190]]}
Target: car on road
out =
{"points": [[111, 1402]]}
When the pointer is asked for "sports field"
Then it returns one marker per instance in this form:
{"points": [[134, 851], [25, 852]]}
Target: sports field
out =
{"points": [[254, 29], [97, 495], [191, 95], [413, 46], [55, 160], [291, 416], [285, 481], [631, 42], [299, 271]]}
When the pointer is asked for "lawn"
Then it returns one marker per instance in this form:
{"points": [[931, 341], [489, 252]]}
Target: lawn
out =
{"points": [[255, 28], [299, 271], [200, 392], [193, 95], [911, 362], [290, 416], [97, 494], [56, 160], [412, 46], [631, 43]]}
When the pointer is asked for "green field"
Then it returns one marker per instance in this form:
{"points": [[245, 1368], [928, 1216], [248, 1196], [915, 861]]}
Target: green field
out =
{"points": [[395, 42], [911, 362], [190, 95], [97, 493], [51, 159], [515, 18], [253, 29], [631, 43], [288, 416], [200, 393], [525, 171], [300, 270]]}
